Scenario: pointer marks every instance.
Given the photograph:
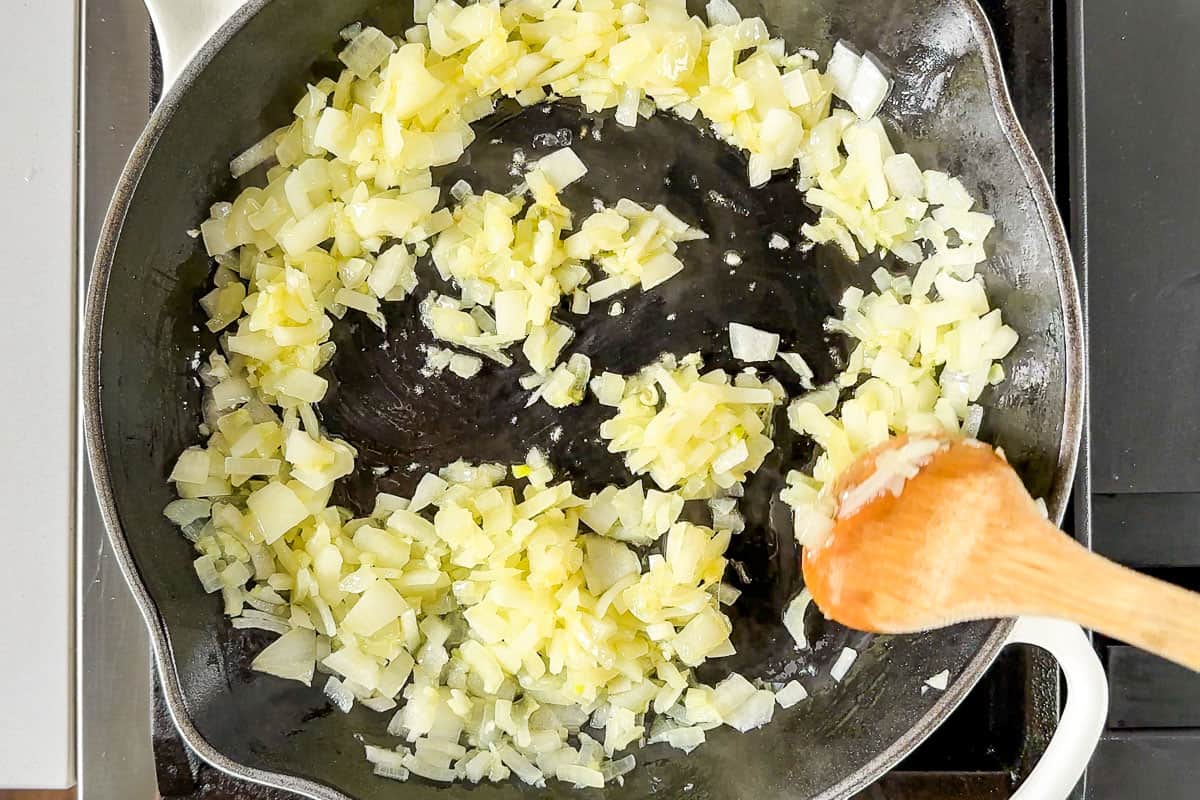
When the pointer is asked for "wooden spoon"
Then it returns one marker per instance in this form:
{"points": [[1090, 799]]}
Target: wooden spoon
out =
{"points": [[964, 540]]}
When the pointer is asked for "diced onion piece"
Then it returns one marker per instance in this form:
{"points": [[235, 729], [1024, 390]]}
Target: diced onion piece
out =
{"points": [[579, 776], [1040, 502], [791, 694], [428, 770], [612, 770], [939, 681], [607, 562], [391, 759], [608, 388], [192, 466], [845, 660], [869, 88], [561, 168], [367, 51], [465, 366], [659, 269], [376, 607], [258, 153], [731, 694], [700, 637], [341, 697], [972, 421], [754, 712], [206, 571], [793, 618], [751, 344], [800, 367], [722, 12], [393, 275], [512, 313], [277, 509], [842, 69], [185, 512], [893, 468], [291, 656], [685, 739], [904, 176], [521, 766]]}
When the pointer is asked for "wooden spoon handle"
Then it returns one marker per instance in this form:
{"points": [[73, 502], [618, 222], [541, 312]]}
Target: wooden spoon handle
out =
{"points": [[1055, 576]]}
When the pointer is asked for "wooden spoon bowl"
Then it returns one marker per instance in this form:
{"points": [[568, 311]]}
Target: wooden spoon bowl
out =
{"points": [[961, 540]]}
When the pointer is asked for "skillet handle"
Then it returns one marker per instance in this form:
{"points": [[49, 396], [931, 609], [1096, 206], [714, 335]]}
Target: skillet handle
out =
{"points": [[182, 27], [1082, 721]]}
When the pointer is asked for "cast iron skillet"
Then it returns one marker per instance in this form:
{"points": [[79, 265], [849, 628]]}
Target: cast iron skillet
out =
{"points": [[950, 109]]}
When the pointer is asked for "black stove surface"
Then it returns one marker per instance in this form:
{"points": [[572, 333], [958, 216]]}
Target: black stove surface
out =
{"points": [[1000, 730], [1137, 111]]}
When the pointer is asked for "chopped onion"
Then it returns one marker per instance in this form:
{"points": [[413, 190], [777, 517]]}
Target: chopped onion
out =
{"points": [[750, 344], [465, 366], [664, 442], [686, 739], [277, 509], [904, 176], [754, 712], [611, 770], [972, 421], [484, 611], [904, 381], [892, 469], [428, 770], [521, 766], [367, 51], [184, 512], [793, 618], [192, 466], [291, 656], [800, 367], [939, 681], [581, 777], [261, 623], [206, 571], [725, 515], [844, 661], [382, 757], [869, 88], [609, 388], [567, 383], [722, 12], [791, 694], [842, 69], [731, 694], [257, 154], [561, 168], [425, 666]]}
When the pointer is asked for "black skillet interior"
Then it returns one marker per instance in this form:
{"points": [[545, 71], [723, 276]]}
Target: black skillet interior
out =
{"points": [[941, 112]]}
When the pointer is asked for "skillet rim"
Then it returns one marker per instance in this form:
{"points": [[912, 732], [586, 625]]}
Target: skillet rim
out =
{"points": [[1068, 452]]}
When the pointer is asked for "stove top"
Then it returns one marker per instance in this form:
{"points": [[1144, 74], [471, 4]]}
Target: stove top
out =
{"points": [[1137, 178], [998, 733]]}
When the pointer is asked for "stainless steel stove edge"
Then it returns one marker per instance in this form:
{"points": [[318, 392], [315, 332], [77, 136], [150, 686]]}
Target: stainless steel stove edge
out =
{"points": [[114, 760]]}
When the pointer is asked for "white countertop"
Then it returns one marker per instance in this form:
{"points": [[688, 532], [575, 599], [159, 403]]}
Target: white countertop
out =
{"points": [[37, 400]]}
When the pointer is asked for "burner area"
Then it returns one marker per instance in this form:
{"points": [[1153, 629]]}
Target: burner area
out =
{"points": [[990, 742]]}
